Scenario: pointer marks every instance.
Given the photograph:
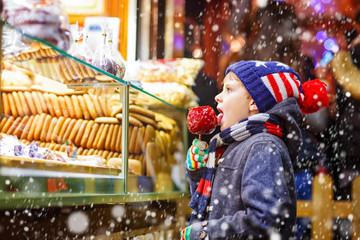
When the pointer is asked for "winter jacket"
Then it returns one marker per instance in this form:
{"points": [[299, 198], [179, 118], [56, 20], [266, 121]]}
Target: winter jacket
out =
{"points": [[253, 193]]}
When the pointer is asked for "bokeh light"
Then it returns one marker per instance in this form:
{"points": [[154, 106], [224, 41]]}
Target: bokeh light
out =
{"points": [[321, 36], [330, 44]]}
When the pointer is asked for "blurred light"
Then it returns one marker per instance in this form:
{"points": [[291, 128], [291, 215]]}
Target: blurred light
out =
{"points": [[321, 36], [197, 53], [318, 6], [325, 1], [178, 42], [327, 57], [331, 45]]}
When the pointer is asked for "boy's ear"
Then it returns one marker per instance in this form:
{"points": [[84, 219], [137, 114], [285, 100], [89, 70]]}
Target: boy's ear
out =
{"points": [[252, 107]]}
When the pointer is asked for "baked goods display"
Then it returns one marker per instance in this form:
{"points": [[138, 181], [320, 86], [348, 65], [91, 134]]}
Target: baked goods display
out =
{"points": [[56, 118], [47, 62], [170, 80], [93, 131]]}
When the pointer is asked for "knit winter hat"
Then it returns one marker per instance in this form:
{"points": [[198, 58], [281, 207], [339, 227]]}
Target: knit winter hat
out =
{"points": [[271, 82]]}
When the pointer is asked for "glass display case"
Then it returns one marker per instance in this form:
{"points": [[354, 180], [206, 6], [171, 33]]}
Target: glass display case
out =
{"points": [[73, 134]]}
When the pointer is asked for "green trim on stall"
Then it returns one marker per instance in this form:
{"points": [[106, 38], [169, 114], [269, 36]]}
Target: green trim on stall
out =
{"points": [[38, 200]]}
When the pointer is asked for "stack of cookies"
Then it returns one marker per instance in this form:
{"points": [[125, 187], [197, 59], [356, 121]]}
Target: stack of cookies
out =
{"points": [[47, 62], [91, 123]]}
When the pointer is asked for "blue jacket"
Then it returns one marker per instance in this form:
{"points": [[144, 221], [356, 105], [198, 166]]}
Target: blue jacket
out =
{"points": [[253, 193]]}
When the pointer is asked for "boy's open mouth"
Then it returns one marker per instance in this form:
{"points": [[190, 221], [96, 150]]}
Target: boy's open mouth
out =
{"points": [[220, 116]]}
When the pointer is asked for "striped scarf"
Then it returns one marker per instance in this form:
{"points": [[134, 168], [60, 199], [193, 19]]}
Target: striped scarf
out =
{"points": [[259, 123]]}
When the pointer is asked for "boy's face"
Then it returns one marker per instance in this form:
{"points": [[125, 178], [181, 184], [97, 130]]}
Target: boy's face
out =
{"points": [[234, 102]]}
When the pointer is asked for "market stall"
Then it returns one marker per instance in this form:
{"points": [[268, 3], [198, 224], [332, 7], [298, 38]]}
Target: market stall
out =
{"points": [[83, 152]]}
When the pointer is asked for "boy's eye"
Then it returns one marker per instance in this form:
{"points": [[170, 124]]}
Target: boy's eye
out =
{"points": [[228, 89]]}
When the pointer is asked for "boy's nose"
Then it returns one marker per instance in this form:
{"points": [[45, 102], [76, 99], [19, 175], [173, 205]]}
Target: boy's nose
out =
{"points": [[218, 98]]}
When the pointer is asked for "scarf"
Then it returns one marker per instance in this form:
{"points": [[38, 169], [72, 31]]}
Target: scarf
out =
{"points": [[259, 123]]}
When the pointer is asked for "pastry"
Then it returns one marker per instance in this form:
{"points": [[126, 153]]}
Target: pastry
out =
{"points": [[107, 120], [27, 127], [69, 129], [90, 106], [94, 130], [109, 137], [14, 111], [45, 128], [37, 103], [80, 133], [6, 104], [75, 130], [57, 128], [51, 129], [86, 134], [18, 104], [101, 142], [30, 102], [63, 107], [60, 138], [70, 106], [77, 108], [83, 106], [56, 105], [34, 123], [13, 126]]}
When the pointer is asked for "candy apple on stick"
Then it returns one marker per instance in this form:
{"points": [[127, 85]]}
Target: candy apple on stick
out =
{"points": [[202, 120]]}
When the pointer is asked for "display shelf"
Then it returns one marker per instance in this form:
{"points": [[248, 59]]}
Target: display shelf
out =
{"points": [[27, 183]]}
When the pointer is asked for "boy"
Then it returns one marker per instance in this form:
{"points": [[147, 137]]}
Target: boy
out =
{"points": [[247, 191]]}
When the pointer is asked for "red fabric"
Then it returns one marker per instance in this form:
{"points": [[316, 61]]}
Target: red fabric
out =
{"points": [[275, 87]]}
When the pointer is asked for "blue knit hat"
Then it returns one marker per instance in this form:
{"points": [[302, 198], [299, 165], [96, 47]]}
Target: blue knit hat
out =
{"points": [[271, 82]]}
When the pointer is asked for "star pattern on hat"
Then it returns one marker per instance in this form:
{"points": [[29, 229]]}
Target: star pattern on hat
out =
{"points": [[279, 64], [259, 63]]}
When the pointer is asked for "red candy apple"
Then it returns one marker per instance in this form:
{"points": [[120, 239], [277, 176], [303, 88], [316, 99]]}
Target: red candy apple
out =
{"points": [[201, 120]]}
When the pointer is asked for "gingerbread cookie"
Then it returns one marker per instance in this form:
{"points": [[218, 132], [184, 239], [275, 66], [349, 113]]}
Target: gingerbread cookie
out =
{"points": [[63, 107], [56, 105], [90, 106], [57, 128], [39, 126], [75, 130], [97, 106], [109, 137], [70, 106], [60, 138], [51, 129], [45, 103], [86, 135], [77, 107], [30, 102], [94, 130], [45, 128], [24, 104], [69, 129], [34, 123], [37, 102], [27, 127], [80, 133], [18, 104], [84, 108], [13, 126], [6, 104], [142, 111]]}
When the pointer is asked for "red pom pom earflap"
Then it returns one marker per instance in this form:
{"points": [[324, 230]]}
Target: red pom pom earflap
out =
{"points": [[315, 96]]}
